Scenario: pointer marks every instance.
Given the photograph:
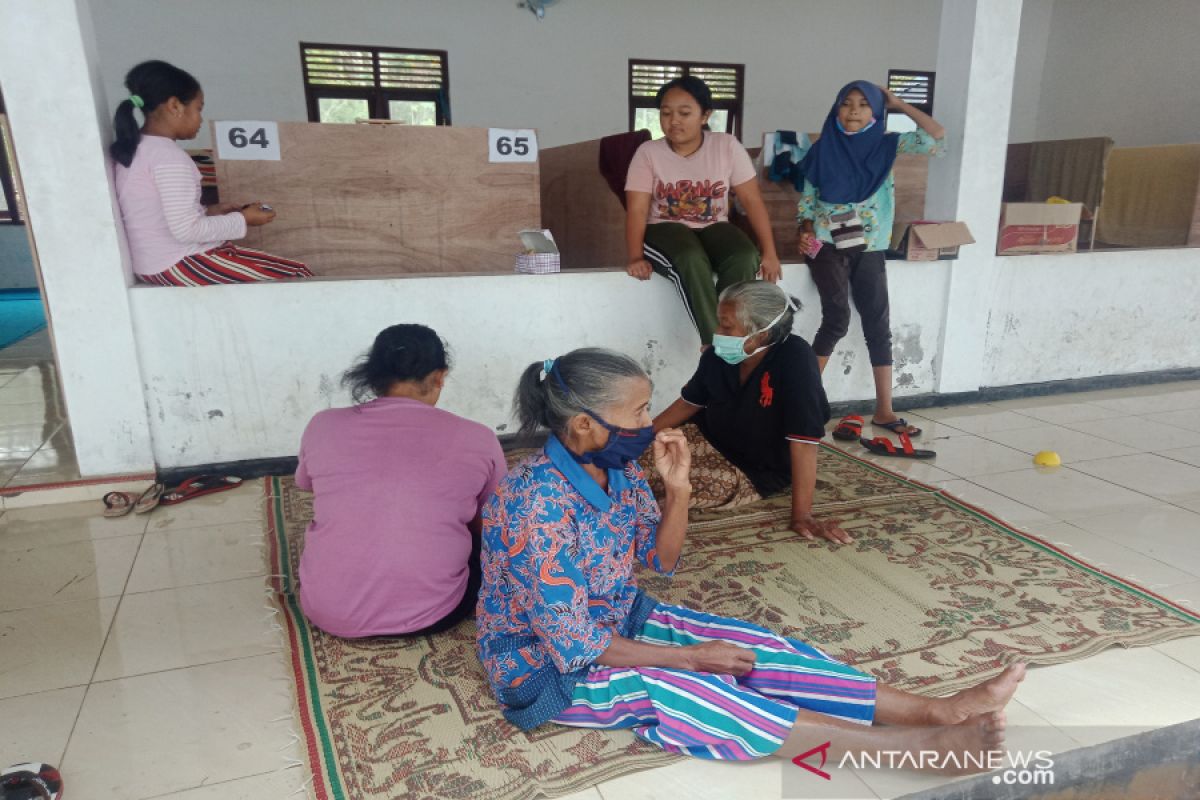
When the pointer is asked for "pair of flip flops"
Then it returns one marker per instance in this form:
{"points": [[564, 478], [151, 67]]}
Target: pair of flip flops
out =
{"points": [[33, 781], [850, 427], [118, 504]]}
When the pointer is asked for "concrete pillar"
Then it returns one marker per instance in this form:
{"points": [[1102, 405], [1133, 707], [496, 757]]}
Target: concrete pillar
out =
{"points": [[977, 52], [61, 126]]}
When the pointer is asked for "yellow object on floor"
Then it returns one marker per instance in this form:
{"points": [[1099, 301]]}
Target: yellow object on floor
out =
{"points": [[1047, 458]]}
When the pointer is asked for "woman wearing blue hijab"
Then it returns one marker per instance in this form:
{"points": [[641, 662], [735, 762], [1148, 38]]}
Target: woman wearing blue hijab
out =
{"points": [[847, 206]]}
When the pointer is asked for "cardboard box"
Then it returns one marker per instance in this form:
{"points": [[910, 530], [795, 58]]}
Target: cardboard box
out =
{"points": [[931, 241], [1039, 228]]}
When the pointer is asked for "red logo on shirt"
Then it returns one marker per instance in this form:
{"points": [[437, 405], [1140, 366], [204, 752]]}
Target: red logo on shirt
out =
{"points": [[768, 393]]}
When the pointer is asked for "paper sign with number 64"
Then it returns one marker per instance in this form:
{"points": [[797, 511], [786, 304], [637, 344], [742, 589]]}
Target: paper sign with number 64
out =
{"points": [[506, 144], [246, 140]]}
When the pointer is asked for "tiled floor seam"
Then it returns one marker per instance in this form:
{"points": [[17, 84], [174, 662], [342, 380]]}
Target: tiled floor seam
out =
{"points": [[131, 676]]}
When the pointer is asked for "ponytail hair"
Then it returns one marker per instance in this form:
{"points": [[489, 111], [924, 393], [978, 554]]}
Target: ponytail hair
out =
{"points": [[593, 378], [400, 354], [152, 83]]}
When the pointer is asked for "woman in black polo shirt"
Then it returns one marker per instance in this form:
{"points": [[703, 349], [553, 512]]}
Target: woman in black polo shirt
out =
{"points": [[759, 409]]}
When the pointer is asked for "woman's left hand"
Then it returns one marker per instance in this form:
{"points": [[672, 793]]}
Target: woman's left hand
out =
{"points": [[218, 209], [673, 459], [770, 269]]}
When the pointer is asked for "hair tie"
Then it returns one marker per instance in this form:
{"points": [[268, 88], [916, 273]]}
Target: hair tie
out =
{"points": [[137, 101], [547, 365]]}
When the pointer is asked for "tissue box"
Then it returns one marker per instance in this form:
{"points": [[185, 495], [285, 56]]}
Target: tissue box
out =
{"points": [[541, 256]]}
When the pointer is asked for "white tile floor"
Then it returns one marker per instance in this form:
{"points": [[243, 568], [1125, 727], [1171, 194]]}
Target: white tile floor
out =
{"points": [[137, 653]]}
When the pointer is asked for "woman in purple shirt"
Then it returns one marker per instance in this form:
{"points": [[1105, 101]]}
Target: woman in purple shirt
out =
{"points": [[393, 548]]}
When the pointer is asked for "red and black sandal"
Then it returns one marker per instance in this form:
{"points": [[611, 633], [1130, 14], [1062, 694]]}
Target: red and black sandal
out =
{"points": [[883, 446], [198, 487], [849, 428]]}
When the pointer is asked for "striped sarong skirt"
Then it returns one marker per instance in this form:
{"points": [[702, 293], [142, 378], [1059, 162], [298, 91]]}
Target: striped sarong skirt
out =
{"points": [[228, 263], [720, 716]]}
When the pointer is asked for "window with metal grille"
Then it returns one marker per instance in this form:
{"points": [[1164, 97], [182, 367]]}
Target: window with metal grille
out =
{"points": [[10, 198], [914, 87], [725, 81], [344, 83]]}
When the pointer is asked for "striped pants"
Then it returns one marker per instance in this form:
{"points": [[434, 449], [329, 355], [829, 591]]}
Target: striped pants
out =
{"points": [[228, 264], [719, 716], [691, 259]]}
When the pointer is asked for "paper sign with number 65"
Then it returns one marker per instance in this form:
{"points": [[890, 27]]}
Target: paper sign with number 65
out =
{"points": [[246, 140], [508, 145]]}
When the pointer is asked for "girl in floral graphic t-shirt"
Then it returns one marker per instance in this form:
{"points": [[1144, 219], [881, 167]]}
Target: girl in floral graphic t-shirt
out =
{"points": [[678, 197]]}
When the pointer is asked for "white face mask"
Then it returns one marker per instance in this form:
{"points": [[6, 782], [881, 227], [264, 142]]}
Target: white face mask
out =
{"points": [[732, 349]]}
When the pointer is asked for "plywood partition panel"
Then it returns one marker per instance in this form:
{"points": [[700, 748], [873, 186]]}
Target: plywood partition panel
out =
{"points": [[385, 200], [584, 215]]}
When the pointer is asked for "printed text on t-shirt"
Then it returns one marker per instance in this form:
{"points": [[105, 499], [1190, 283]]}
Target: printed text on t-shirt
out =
{"points": [[694, 201]]}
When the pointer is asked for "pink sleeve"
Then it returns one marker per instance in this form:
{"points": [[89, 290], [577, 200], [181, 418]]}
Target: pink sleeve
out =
{"points": [[640, 177], [303, 479], [178, 187], [741, 168], [499, 467]]}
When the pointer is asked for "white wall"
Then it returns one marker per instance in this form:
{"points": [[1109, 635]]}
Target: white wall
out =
{"points": [[55, 114], [1057, 317], [1111, 68], [236, 372], [1031, 63], [566, 76], [16, 261]]}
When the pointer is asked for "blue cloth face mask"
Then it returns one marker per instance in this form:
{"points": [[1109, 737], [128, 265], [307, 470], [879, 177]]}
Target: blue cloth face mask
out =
{"points": [[623, 445], [732, 349]]}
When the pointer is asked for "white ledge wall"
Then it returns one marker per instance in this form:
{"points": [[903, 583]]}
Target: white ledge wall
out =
{"points": [[234, 373], [1057, 317]]}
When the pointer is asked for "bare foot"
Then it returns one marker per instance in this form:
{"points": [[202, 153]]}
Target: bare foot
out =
{"points": [[887, 419], [968, 747], [991, 695]]}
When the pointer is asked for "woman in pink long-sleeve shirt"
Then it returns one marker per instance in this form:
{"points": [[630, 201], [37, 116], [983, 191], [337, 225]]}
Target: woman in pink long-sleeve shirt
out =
{"points": [[175, 241], [398, 484]]}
